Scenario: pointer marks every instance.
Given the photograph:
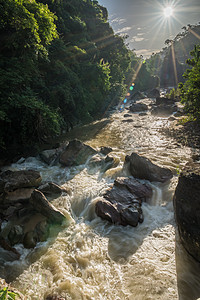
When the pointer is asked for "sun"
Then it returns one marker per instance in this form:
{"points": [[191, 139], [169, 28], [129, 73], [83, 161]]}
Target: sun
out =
{"points": [[168, 11]]}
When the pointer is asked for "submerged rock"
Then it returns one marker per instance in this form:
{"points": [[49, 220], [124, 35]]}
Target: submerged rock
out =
{"points": [[106, 150], [141, 167], [137, 107], [76, 153], [187, 209], [122, 203]]}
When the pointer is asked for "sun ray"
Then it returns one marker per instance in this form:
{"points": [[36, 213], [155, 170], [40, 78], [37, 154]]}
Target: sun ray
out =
{"points": [[174, 64], [194, 33]]}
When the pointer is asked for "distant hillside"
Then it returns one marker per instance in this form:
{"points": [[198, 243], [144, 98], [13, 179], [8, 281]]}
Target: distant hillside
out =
{"points": [[170, 63], [184, 45]]}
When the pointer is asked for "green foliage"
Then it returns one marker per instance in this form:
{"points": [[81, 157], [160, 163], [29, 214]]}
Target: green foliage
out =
{"points": [[26, 25], [190, 90], [60, 64], [184, 120], [140, 74], [174, 94], [5, 294]]}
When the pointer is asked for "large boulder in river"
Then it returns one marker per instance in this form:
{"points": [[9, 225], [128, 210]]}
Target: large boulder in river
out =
{"points": [[76, 153], [137, 96], [137, 107], [43, 206], [164, 101], [164, 110], [13, 180], [153, 93], [187, 208], [52, 189], [50, 156], [141, 167], [122, 203]]}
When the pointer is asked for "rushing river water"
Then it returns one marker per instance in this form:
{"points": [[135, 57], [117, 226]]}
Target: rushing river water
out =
{"points": [[89, 258]]}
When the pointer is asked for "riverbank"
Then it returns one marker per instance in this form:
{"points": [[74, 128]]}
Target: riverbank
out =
{"points": [[186, 133]]}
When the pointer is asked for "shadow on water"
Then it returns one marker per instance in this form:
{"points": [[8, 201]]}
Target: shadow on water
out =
{"points": [[188, 273], [86, 132]]}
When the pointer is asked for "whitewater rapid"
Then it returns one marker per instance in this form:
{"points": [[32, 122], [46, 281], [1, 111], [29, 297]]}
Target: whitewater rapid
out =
{"points": [[88, 258]]}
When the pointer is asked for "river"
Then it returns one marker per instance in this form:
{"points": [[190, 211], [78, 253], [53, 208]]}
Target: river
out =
{"points": [[89, 258]]}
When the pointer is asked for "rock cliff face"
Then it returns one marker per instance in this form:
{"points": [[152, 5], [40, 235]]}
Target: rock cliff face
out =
{"points": [[187, 209]]}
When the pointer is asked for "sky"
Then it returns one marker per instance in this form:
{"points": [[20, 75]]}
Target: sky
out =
{"points": [[145, 23]]}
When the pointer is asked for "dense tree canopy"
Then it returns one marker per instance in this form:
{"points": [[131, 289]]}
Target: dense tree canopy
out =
{"points": [[190, 90], [60, 64]]}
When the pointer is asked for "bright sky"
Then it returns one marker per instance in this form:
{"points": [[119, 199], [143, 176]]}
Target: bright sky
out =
{"points": [[150, 22]]}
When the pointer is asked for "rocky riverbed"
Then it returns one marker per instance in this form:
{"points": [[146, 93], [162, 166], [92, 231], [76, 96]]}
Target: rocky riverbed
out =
{"points": [[126, 174]]}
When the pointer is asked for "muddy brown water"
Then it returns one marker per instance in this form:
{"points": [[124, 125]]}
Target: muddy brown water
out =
{"points": [[89, 258]]}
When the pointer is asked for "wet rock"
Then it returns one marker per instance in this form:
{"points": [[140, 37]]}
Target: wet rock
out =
{"points": [[164, 101], [7, 247], [107, 211], [96, 161], [15, 235], [179, 113], [30, 239], [137, 96], [163, 110], [130, 216], [187, 209], [109, 163], [42, 230], [12, 180], [153, 93], [76, 153], [2, 183], [137, 107], [104, 163], [141, 167], [142, 191], [51, 156], [127, 115], [51, 189], [19, 194], [122, 203], [10, 211], [106, 150], [171, 119], [41, 205]]}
